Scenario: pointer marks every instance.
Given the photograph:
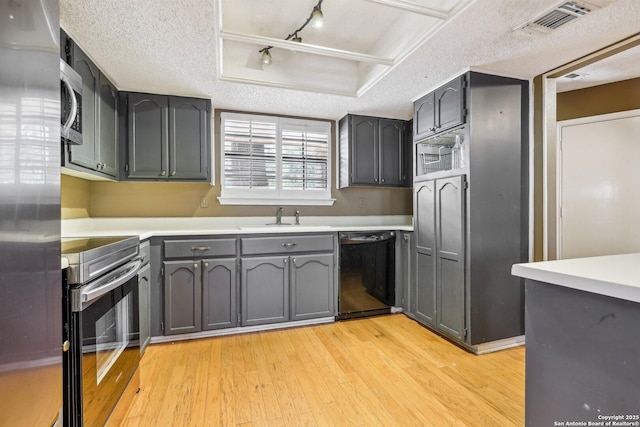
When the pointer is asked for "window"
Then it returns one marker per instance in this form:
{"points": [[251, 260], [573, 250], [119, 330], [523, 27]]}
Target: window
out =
{"points": [[271, 160]]}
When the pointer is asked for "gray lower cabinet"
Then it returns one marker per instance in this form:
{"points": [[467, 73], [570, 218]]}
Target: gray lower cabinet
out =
{"points": [[312, 286], [199, 295], [289, 281], [182, 297], [439, 296], [219, 294], [265, 290]]}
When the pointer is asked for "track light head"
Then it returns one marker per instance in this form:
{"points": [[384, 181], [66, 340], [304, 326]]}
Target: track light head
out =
{"points": [[266, 57], [317, 18]]}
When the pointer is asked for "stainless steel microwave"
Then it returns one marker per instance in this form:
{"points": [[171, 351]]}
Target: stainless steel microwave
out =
{"points": [[71, 103]]}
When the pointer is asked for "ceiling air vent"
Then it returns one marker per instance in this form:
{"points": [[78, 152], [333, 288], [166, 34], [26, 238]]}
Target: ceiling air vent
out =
{"points": [[558, 16]]}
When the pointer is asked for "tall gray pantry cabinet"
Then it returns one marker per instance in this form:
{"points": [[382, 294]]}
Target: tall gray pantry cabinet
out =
{"points": [[471, 209]]}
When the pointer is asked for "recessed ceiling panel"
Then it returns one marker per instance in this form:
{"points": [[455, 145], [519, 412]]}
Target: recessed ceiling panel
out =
{"points": [[367, 37]]}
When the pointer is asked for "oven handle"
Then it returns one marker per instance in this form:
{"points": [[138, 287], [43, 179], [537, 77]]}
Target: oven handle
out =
{"points": [[127, 271]]}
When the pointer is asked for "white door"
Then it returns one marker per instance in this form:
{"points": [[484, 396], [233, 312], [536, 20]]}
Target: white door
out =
{"points": [[600, 185]]}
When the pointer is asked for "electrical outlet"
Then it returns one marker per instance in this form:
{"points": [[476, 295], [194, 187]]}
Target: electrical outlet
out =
{"points": [[204, 202], [363, 202]]}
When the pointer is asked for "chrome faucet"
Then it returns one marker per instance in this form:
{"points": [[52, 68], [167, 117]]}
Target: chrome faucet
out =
{"points": [[297, 217], [279, 215]]}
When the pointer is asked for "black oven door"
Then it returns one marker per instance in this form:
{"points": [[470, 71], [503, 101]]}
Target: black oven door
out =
{"points": [[107, 347]]}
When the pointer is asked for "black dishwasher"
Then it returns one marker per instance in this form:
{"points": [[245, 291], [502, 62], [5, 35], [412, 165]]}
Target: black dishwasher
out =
{"points": [[367, 274]]}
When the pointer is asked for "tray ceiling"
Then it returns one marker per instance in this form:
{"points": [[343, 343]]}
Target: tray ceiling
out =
{"points": [[360, 42]]}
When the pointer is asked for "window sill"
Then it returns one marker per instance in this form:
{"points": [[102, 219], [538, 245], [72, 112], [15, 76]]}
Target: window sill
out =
{"points": [[275, 202]]}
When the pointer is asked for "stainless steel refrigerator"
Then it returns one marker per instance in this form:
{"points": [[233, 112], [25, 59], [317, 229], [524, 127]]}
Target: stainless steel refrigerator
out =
{"points": [[30, 280]]}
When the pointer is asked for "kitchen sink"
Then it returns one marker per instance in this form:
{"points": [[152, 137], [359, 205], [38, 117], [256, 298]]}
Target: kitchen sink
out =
{"points": [[267, 228]]}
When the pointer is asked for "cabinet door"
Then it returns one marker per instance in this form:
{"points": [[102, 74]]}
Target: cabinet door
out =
{"points": [[450, 255], [450, 105], [219, 291], [147, 136], [312, 286], [86, 155], [423, 303], [392, 152], [107, 127], [144, 286], [364, 150], [182, 297], [188, 138], [424, 121], [265, 290]]}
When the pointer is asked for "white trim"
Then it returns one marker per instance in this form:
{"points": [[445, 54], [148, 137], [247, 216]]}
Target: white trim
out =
{"points": [[274, 202], [278, 195], [240, 330], [266, 83], [414, 8], [306, 48]]}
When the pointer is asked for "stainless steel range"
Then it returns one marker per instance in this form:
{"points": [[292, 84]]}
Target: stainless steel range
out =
{"points": [[101, 321]]}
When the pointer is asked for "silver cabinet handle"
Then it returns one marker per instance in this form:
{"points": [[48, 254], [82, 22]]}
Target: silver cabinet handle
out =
{"points": [[201, 248], [405, 238], [195, 265], [285, 260], [206, 264], [288, 245], [293, 261], [65, 346], [163, 173], [173, 173], [382, 179]]}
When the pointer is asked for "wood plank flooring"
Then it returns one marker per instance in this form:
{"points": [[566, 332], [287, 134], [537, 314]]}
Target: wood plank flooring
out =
{"points": [[381, 371]]}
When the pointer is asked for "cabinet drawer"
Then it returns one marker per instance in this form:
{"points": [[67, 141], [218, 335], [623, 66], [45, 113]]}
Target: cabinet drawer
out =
{"points": [[271, 245], [145, 252], [199, 248]]}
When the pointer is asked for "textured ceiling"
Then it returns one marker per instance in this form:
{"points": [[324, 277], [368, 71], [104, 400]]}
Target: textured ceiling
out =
{"points": [[171, 47]]}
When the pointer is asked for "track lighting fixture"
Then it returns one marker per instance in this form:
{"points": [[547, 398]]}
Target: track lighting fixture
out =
{"points": [[316, 19], [266, 56]]}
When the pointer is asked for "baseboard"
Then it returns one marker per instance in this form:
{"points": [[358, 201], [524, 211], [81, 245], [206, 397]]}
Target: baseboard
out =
{"points": [[489, 347], [240, 330]]}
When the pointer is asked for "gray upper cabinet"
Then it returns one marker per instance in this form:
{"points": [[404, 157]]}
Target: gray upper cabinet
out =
{"points": [[373, 152], [265, 290], [424, 116], [440, 110], [97, 154], [167, 138]]}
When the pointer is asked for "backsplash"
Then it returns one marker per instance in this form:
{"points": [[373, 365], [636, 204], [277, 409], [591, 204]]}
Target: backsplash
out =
{"points": [[82, 199]]}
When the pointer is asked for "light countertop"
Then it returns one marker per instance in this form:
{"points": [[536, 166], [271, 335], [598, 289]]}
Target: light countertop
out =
{"points": [[150, 227], [616, 276]]}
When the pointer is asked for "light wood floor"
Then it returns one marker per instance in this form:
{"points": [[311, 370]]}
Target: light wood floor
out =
{"points": [[382, 371]]}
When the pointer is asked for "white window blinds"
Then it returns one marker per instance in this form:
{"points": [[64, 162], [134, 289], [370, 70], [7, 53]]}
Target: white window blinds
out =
{"points": [[271, 160], [250, 154]]}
